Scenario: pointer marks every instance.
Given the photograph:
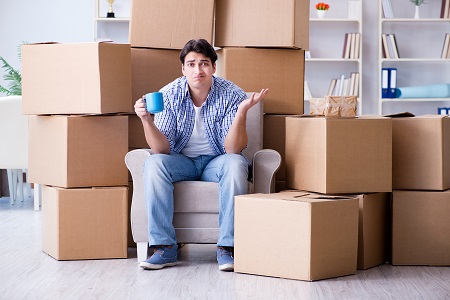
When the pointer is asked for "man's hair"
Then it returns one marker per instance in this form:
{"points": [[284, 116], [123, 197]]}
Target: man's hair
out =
{"points": [[199, 46]]}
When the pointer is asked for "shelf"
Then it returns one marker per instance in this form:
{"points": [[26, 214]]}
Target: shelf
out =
{"points": [[333, 20], [113, 20], [415, 99], [333, 60], [426, 60], [384, 20]]}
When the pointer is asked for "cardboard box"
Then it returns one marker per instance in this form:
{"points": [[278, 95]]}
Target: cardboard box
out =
{"points": [[339, 155], [274, 138], [78, 151], [374, 229], [271, 23], [86, 223], [152, 69], [170, 24], [280, 70], [136, 135], [83, 78], [334, 106], [303, 237], [420, 228], [420, 156]]}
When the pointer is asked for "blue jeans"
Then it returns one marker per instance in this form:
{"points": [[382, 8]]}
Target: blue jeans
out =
{"points": [[162, 170]]}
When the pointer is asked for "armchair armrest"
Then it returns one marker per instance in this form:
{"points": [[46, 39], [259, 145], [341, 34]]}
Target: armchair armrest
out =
{"points": [[265, 163], [135, 160]]}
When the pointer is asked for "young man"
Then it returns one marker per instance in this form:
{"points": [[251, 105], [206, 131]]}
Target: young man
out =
{"points": [[198, 136]]}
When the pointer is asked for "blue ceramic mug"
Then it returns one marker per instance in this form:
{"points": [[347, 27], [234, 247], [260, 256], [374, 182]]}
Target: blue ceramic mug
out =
{"points": [[154, 102]]}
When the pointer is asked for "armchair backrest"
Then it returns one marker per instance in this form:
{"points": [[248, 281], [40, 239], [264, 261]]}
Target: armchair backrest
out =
{"points": [[254, 130], [13, 134]]}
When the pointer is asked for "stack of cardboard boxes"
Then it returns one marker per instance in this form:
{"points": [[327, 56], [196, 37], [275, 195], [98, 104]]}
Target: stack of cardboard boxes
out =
{"points": [[77, 142], [421, 196]]}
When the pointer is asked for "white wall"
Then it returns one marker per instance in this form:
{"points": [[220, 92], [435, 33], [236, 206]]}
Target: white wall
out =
{"points": [[72, 21], [43, 20]]}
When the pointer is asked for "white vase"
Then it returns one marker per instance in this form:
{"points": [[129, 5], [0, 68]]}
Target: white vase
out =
{"points": [[321, 13], [416, 13]]}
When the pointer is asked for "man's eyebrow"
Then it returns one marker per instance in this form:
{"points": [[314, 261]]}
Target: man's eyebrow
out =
{"points": [[202, 60]]}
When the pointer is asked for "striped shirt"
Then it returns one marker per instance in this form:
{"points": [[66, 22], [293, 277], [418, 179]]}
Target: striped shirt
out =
{"points": [[176, 121]]}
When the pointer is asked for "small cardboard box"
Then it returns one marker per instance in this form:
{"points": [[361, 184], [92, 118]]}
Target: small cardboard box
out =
{"points": [[280, 70], [334, 106], [78, 151], [420, 156], [339, 155], [304, 237], [83, 78], [420, 228], [374, 229], [152, 69], [170, 24], [270, 23], [274, 137], [85, 223]]}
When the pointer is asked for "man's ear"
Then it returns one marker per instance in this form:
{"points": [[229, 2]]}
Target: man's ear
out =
{"points": [[182, 69], [214, 68]]}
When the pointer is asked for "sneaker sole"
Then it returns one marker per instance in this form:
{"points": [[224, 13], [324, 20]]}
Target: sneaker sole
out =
{"points": [[148, 266], [226, 267]]}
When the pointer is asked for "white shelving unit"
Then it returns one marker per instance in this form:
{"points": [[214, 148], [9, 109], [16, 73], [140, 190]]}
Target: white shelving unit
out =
{"points": [[327, 37], [111, 29], [420, 43]]}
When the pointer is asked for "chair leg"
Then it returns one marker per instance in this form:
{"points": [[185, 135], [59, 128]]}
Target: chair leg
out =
{"points": [[19, 176], [11, 179], [37, 196], [142, 251], [27, 184]]}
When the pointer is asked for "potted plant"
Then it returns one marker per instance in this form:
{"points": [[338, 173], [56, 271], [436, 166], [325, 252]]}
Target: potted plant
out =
{"points": [[417, 3], [13, 76], [321, 9]]}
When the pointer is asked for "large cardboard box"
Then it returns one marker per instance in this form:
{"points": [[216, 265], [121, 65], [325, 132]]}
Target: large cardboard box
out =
{"points": [[420, 228], [78, 151], [152, 69], [85, 223], [170, 24], [420, 156], [280, 70], [295, 235], [83, 78], [275, 138], [136, 135], [339, 155], [270, 23], [374, 229]]}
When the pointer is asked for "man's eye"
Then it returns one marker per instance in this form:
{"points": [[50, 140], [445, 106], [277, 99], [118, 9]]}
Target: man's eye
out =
{"points": [[190, 65]]}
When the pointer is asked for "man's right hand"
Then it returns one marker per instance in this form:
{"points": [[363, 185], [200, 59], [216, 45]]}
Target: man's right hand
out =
{"points": [[141, 109]]}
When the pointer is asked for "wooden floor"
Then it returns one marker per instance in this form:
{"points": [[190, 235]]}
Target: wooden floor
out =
{"points": [[28, 273]]}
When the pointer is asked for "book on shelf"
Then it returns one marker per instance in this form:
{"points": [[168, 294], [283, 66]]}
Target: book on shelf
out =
{"points": [[445, 9], [389, 83], [344, 86], [307, 54], [351, 45], [445, 46], [385, 46], [394, 45], [307, 92], [388, 12]]}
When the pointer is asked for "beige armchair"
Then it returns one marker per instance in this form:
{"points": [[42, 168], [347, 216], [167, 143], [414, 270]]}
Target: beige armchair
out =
{"points": [[196, 214]]}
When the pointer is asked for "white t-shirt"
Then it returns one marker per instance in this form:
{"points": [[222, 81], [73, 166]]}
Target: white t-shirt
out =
{"points": [[198, 143]]}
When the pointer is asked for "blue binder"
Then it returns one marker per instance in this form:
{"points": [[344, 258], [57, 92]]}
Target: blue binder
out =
{"points": [[385, 83], [392, 83]]}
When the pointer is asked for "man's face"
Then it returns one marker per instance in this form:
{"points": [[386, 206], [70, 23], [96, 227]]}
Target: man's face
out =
{"points": [[198, 70]]}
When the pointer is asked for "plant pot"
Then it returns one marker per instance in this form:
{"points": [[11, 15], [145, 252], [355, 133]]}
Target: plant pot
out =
{"points": [[416, 13], [321, 14]]}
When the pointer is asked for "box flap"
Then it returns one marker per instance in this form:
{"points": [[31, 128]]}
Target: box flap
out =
{"points": [[401, 115]]}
